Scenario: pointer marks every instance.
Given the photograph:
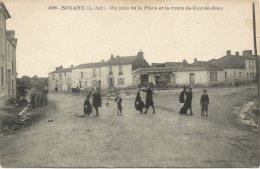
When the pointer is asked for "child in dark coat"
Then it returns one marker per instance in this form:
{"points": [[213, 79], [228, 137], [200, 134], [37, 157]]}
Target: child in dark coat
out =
{"points": [[118, 101], [204, 101]]}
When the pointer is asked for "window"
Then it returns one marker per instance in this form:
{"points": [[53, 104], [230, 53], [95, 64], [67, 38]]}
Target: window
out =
{"points": [[79, 84], [1, 41], [81, 74], [68, 80], [249, 64], [94, 72], [120, 70], [167, 78], [121, 81], [247, 76], [94, 83], [52, 76], [253, 64], [60, 76], [213, 76], [86, 84], [235, 75], [2, 72], [12, 68], [240, 74], [110, 70], [64, 73]]}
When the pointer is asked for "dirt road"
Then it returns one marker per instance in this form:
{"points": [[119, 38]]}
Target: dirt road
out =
{"points": [[164, 139]]}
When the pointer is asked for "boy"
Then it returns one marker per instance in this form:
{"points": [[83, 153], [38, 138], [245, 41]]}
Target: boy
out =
{"points": [[204, 101], [118, 101]]}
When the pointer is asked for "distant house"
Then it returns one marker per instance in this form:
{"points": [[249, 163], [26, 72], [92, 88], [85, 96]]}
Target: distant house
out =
{"points": [[198, 73], [237, 67], [87, 75], [60, 79], [117, 73]]}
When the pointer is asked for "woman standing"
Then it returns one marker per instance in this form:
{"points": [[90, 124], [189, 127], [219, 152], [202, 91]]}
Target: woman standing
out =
{"points": [[96, 101], [139, 104], [87, 106]]}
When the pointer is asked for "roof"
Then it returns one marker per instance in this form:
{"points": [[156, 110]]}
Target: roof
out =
{"points": [[62, 70], [5, 11], [90, 65], [190, 67], [230, 61], [173, 64], [125, 60]]}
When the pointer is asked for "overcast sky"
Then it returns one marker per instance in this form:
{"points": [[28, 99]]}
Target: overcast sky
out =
{"points": [[50, 38]]}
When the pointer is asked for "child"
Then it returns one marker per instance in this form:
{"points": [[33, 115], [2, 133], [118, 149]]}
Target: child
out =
{"points": [[204, 101], [87, 106], [118, 101]]}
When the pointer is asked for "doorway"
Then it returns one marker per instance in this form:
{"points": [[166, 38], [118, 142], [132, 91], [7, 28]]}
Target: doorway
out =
{"points": [[192, 80]]}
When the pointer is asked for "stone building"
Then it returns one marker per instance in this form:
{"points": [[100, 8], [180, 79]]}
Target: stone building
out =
{"points": [[114, 73], [237, 67], [8, 73], [60, 79], [86, 76], [117, 73]]}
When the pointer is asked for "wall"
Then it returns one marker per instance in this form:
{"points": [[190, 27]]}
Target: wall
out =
{"points": [[231, 76], [250, 69], [127, 76], [87, 76], [183, 78], [3, 88], [64, 80]]}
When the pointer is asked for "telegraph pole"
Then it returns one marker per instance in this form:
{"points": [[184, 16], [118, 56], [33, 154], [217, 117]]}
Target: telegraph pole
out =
{"points": [[257, 61]]}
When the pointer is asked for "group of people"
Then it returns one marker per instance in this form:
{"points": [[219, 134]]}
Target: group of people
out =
{"points": [[185, 99]]}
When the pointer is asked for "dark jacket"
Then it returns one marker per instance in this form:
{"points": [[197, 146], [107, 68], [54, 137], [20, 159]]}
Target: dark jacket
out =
{"points": [[149, 97], [139, 104], [188, 99], [87, 106], [181, 97], [96, 99], [204, 98], [118, 101]]}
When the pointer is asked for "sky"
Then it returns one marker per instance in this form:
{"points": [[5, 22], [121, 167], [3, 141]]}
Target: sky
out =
{"points": [[50, 38]]}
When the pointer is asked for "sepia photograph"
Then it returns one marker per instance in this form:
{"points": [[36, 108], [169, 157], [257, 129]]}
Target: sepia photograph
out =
{"points": [[129, 84]]}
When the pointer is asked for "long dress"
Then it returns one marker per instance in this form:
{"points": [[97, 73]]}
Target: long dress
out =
{"points": [[149, 98], [139, 104], [96, 100], [87, 106]]}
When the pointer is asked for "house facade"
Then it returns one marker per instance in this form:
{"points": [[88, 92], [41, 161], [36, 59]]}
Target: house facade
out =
{"points": [[60, 79], [87, 76], [8, 73], [192, 75]]}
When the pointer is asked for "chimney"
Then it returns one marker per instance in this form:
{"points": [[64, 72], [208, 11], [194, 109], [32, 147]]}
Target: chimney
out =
{"points": [[117, 56], [112, 56], [247, 52], [57, 68], [184, 61], [61, 67], [195, 60], [140, 54], [102, 60], [71, 66], [228, 52], [237, 53]]}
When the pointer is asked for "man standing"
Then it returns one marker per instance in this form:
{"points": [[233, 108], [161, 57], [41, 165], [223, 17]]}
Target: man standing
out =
{"points": [[204, 101], [149, 99], [96, 101]]}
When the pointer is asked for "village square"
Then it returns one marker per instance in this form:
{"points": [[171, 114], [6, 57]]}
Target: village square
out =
{"points": [[128, 111]]}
